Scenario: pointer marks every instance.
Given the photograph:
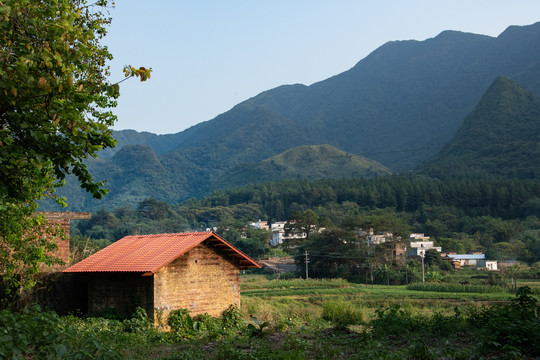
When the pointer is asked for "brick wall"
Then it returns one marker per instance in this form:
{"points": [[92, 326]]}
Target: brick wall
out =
{"points": [[63, 219], [202, 281]]}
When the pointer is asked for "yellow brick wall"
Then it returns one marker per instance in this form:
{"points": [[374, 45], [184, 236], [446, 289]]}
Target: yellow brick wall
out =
{"points": [[202, 281]]}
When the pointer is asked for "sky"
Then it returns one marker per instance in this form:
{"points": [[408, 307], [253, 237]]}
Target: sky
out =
{"points": [[207, 56]]}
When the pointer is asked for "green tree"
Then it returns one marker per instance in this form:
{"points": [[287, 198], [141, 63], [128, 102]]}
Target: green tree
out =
{"points": [[55, 111], [301, 225], [432, 258], [334, 253]]}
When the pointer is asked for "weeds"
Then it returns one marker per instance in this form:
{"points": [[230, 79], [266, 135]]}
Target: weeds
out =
{"points": [[323, 327]]}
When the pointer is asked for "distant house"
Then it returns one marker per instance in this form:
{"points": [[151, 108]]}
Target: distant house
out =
{"points": [[418, 237], [465, 259], [419, 248], [487, 264], [376, 239], [263, 225], [197, 271], [279, 235]]}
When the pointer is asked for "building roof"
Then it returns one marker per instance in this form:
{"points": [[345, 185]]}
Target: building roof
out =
{"points": [[468, 256], [149, 253]]}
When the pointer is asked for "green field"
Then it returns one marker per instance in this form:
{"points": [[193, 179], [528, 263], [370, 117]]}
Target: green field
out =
{"points": [[299, 319]]}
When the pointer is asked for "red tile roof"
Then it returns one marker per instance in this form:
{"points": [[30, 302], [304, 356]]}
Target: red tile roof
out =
{"points": [[149, 253]]}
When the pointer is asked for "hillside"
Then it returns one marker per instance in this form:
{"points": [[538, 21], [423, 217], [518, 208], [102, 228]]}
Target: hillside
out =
{"points": [[302, 162], [500, 137], [399, 106]]}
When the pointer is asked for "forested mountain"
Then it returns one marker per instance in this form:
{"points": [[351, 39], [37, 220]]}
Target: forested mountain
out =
{"points": [[495, 214], [302, 162], [500, 137], [399, 106]]}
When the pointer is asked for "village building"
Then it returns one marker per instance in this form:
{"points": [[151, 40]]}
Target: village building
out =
{"points": [[279, 234], [198, 271], [490, 265], [476, 259], [376, 239], [419, 248], [263, 225]]}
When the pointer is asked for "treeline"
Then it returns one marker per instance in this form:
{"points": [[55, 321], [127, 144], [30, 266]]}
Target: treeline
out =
{"points": [[496, 197], [493, 214]]}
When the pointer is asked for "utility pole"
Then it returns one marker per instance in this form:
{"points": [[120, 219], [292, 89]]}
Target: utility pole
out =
{"points": [[306, 260], [423, 277]]}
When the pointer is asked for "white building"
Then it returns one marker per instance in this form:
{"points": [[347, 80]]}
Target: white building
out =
{"points": [[373, 239], [278, 233], [490, 265], [419, 248], [418, 237], [263, 225]]}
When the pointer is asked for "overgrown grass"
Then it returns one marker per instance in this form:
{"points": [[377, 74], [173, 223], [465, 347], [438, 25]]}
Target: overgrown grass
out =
{"points": [[297, 319]]}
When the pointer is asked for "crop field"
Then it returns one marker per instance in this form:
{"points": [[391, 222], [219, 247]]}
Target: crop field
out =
{"points": [[298, 319]]}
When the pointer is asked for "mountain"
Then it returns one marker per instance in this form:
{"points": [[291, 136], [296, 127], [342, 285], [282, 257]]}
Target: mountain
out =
{"points": [[398, 106], [160, 144], [302, 162], [500, 137]]}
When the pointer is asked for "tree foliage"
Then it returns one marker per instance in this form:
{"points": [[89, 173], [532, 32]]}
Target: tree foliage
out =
{"points": [[55, 112]]}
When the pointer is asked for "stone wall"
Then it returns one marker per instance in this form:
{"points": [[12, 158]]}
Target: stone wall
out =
{"points": [[202, 281]]}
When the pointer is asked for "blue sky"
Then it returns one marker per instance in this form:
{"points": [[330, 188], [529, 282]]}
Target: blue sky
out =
{"points": [[208, 56]]}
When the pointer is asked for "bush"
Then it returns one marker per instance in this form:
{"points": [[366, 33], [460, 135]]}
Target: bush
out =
{"points": [[513, 328], [183, 326], [43, 335], [394, 320], [342, 313]]}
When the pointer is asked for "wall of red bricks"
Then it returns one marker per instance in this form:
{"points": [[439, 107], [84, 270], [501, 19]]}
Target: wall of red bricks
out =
{"points": [[63, 219]]}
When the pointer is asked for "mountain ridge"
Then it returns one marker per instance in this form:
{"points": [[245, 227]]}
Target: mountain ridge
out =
{"points": [[501, 137], [399, 106]]}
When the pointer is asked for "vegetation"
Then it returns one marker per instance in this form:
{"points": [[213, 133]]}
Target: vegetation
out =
{"points": [[491, 139], [390, 325], [55, 112], [494, 215], [302, 162]]}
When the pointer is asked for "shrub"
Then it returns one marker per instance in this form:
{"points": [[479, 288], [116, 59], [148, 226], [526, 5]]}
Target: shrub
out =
{"points": [[43, 335], [232, 318], [342, 313], [181, 323], [512, 328], [394, 320]]}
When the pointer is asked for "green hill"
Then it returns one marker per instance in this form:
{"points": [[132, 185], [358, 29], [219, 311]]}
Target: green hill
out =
{"points": [[500, 137], [399, 106], [302, 162]]}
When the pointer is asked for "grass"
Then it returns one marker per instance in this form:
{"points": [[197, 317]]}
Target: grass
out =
{"points": [[298, 319]]}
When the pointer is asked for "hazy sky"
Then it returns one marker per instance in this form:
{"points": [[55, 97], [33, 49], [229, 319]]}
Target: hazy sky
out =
{"points": [[208, 56]]}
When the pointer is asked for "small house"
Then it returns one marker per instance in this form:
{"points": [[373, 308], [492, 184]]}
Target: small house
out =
{"points": [[466, 259], [198, 271], [490, 265]]}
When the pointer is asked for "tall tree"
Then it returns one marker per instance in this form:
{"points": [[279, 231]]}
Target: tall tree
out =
{"points": [[55, 111]]}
